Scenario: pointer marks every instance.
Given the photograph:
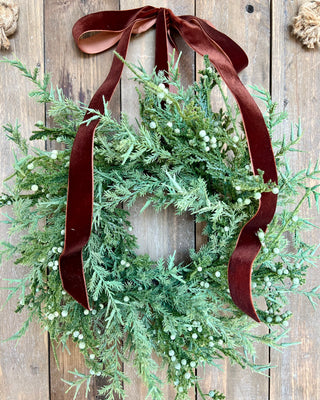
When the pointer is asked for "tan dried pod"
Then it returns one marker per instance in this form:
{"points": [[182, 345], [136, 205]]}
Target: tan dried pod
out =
{"points": [[306, 25], [9, 12]]}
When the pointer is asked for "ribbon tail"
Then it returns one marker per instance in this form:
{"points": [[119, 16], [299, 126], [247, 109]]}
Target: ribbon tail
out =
{"points": [[80, 186], [78, 214], [246, 250], [261, 155], [73, 280]]}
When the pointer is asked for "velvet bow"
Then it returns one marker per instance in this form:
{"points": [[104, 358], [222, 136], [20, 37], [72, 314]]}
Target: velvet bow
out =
{"points": [[109, 28]]}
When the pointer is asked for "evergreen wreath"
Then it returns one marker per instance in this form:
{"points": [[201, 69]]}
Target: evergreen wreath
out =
{"points": [[184, 154]]}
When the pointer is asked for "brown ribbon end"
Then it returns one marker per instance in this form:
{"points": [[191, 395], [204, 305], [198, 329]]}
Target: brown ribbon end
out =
{"points": [[72, 277], [247, 247], [240, 288]]}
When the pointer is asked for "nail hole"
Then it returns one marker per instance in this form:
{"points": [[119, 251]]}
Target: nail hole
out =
{"points": [[249, 8]]}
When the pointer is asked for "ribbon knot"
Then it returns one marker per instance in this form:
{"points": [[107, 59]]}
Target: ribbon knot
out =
{"points": [[100, 31]]}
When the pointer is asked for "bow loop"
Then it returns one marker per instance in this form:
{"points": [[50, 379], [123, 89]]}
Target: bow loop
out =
{"points": [[185, 24], [97, 32]]}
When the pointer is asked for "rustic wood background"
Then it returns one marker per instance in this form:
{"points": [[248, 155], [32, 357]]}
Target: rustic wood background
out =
{"points": [[277, 62]]}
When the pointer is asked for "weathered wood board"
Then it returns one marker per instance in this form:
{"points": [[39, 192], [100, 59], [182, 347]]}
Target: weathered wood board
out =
{"points": [[160, 234], [277, 62], [251, 34], [296, 87], [79, 75], [24, 368]]}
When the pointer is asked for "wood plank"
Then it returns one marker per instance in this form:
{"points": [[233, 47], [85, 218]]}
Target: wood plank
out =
{"points": [[159, 234], [79, 76], [251, 31], [23, 366], [296, 86]]}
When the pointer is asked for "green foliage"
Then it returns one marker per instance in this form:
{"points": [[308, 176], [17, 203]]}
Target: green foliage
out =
{"points": [[184, 154]]}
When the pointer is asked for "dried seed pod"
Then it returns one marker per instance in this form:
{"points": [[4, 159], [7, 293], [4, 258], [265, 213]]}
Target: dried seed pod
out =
{"points": [[8, 21], [306, 25]]}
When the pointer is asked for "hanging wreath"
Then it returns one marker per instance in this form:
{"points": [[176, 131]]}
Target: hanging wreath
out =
{"points": [[208, 162], [183, 154]]}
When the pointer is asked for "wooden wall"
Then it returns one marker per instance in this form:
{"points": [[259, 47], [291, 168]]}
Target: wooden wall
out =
{"points": [[277, 61]]}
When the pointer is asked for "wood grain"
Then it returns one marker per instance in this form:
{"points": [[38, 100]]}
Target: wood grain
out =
{"points": [[23, 366], [79, 76], [159, 234], [251, 31], [296, 86]]}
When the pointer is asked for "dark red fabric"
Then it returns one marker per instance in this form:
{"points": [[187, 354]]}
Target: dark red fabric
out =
{"points": [[116, 27]]}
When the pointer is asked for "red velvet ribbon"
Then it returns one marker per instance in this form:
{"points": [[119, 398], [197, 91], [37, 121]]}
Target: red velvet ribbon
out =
{"points": [[116, 27]]}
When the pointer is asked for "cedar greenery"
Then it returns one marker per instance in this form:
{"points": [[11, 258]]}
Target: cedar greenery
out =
{"points": [[184, 154]]}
